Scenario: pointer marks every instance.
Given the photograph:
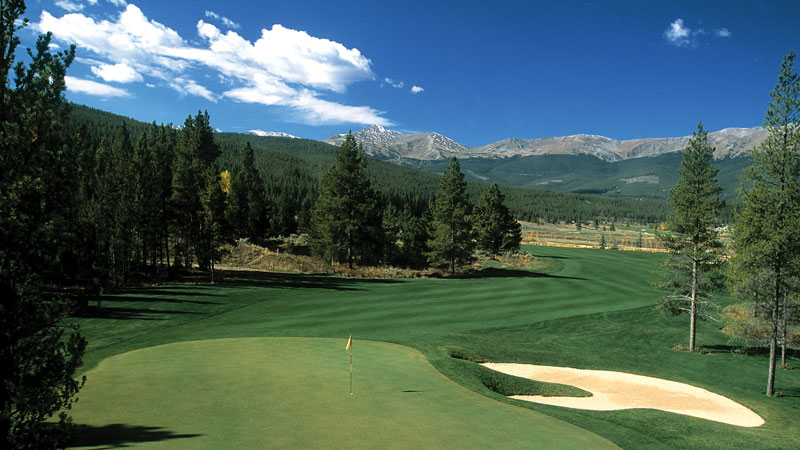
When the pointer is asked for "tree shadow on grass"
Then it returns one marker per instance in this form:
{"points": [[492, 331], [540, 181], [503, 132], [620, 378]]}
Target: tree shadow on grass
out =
{"points": [[298, 281], [194, 291], [156, 296], [761, 351], [100, 312], [497, 272], [121, 435], [549, 256]]}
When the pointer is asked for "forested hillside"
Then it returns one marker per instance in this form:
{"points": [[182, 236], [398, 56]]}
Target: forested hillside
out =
{"points": [[646, 177], [291, 169]]}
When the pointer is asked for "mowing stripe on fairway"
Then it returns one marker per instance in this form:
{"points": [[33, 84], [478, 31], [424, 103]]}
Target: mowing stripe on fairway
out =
{"points": [[293, 393]]}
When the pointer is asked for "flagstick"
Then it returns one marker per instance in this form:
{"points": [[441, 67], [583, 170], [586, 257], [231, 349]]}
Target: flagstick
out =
{"points": [[351, 372]]}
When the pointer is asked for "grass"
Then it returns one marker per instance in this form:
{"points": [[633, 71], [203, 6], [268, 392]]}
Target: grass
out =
{"points": [[293, 393], [577, 307]]}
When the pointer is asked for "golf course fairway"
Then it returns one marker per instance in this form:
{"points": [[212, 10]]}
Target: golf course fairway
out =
{"points": [[294, 393]]}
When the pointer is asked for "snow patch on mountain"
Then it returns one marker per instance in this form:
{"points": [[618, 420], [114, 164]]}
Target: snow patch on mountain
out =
{"points": [[272, 134]]}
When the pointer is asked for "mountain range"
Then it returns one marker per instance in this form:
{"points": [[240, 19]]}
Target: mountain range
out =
{"points": [[403, 148]]}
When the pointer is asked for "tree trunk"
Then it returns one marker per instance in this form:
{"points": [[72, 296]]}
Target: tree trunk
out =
{"points": [[773, 342], [166, 250], [784, 332], [349, 249], [693, 313]]}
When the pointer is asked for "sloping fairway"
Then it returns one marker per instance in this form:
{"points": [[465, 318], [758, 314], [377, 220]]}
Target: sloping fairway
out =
{"points": [[294, 393], [588, 309]]}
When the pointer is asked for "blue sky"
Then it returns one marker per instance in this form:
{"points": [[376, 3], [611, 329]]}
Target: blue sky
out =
{"points": [[474, 71]]}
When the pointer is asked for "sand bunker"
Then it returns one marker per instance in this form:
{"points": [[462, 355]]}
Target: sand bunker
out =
{"points": [[619, 390]]}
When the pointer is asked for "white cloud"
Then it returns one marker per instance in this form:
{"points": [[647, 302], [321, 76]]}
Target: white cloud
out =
{"points": [[322, 112], [416, 89], [189, 87], [678, 34], [282, 67], [94, 88], [121, 73], [225, 21], [91, 2], [394, 84], [69, 5], [118, 2], [722, 32]]}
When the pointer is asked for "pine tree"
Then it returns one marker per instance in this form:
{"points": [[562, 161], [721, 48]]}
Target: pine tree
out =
{"points": [[117, 197], [414, 236], [248, 210], [196, 152], [694, 245], [146, 199], [212, 200], [164, 143], [37, 357], [765, 241], [346, 216], [451, 240], [496, 230]]}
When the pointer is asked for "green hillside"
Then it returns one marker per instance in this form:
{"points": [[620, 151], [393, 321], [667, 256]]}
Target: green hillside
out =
{"points": [[649, 177]]}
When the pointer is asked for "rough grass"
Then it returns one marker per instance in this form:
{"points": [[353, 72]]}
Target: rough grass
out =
{"points": [[579, 308]]}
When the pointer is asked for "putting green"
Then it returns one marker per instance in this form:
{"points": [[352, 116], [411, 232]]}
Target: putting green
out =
{"points": [[294, 393]]}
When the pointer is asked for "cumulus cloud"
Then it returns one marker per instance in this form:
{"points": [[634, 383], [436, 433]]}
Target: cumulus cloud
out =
{"points": [[94, 88], [283, 67], [121, 73], [225, 21], [678, 34], [416, 89], [118, 2], [722, 32]]}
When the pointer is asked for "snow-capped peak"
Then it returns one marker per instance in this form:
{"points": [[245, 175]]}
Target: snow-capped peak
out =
{"points": [[272, 133]]}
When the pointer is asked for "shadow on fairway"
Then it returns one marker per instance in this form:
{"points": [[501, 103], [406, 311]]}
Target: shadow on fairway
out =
{"points": [[168, 292], [95, 312], [790, 352], [549, 256], [158, 296], [496, 272], [119, 435], [298, 281]]}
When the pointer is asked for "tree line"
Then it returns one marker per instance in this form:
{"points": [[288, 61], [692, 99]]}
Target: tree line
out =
{"points": [[350, 225]]}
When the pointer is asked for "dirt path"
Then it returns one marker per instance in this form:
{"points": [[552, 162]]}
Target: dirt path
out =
{"points": [[619, 390]]}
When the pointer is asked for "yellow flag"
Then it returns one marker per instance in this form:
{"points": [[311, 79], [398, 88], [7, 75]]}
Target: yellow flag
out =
{"points": [[349, 342]]}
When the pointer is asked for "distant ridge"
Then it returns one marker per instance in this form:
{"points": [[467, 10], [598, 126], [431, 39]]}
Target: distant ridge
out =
{"points": [[398, 147]]}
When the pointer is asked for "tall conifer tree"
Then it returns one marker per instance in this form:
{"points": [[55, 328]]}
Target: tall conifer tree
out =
{"points": [[694, 244], [248, 210], [37, 359], [766, 242], [496, 229], [451, 237], [347, 216], [195, 154]]}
